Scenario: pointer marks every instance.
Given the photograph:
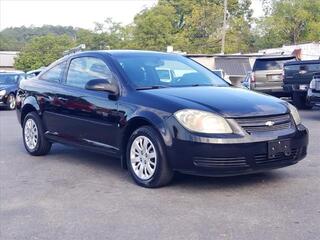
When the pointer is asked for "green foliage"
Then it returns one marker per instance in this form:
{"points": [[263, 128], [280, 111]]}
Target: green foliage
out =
{"points": [[289, 22], [41, 51], [154, 28], [193, 26], [15, 38]]}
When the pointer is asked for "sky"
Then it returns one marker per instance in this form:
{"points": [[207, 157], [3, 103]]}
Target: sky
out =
{"points": [[77, 13]]}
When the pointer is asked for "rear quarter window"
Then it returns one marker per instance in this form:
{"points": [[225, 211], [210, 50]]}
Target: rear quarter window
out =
{"points": [[54, 74]]}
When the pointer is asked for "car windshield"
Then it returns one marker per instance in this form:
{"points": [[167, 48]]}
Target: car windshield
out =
{"points": [[9, 78], [165, 70]]}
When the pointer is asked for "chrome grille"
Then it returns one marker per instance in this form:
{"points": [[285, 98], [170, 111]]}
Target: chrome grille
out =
{"points": [[265, 124]]}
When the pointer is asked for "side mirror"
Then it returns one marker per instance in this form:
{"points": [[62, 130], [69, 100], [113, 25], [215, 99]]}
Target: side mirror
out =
{"points": [[102, 85]]}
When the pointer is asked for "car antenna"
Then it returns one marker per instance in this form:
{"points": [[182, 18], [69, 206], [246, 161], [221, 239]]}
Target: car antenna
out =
{"points": [[74, 50]]}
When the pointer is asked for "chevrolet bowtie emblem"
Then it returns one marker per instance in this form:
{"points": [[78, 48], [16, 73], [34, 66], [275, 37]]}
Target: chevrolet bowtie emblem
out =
{"points": [[269, 123]]}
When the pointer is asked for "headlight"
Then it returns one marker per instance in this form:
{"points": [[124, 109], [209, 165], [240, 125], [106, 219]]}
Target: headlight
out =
{"points": [[2, 92], [295, 114], [202, 122]]}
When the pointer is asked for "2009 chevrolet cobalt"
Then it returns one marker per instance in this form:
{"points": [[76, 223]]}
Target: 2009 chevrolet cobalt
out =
{"points": [[158, 113]]}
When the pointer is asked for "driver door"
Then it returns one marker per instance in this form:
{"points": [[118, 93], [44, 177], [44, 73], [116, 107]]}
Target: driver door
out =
{"points": [[88, 117]]}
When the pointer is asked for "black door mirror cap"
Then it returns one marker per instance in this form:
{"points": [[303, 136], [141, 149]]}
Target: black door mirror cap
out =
{"points": [[102, 85]]}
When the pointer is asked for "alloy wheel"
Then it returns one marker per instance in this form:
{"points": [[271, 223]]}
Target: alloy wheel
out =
{"points": [[143, 157], [31, 135]]}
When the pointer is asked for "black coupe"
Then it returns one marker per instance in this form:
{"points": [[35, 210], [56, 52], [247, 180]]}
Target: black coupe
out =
{"points": [[158, 113]]}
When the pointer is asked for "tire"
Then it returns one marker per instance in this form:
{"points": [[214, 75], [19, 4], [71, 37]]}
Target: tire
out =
{"points": [[301, 102], [32, 129], [11, 102], [156, 171]]}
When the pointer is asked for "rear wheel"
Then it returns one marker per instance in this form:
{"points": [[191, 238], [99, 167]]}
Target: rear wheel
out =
{"points": [[11, 102], [146, 159], [33, 136], [301, 101]]}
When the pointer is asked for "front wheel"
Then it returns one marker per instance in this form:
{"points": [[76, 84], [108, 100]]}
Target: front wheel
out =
{"points": [[11, 102], [33, 136], [146, 159]]}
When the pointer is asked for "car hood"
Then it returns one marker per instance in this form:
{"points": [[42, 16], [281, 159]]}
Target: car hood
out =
{"points": [[226, 101]]}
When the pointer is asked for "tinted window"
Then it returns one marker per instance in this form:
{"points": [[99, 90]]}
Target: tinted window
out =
{"points": [[84, 69], [270, 64], [292, 68], [54, 74], [314, 67], [147, 70], [10, 78]]}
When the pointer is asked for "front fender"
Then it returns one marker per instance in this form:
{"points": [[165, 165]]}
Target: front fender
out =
{"points": [[26, 105], [156, 119]]}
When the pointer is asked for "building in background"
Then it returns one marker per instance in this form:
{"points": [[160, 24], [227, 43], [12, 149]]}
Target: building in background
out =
{"points": [[304, 51], [7, 59], [234, 66]]}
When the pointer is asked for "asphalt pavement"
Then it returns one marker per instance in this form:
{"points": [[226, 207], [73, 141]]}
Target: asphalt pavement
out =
{"points": [[74, 194]]}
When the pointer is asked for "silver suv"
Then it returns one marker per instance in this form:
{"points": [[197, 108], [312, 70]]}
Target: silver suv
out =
{"points": [[267, 75]]}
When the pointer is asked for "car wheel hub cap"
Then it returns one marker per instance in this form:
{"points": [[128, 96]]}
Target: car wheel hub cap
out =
{"points": [[143, 157], [31, 134]]}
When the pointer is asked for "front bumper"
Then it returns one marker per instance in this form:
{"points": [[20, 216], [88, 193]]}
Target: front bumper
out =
{"points": [[301, 88], [228, 156], [3, 101]]}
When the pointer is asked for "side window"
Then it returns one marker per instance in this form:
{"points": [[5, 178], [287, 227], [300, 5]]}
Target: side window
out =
{"points": [[303, 68], [314, 67], [292, 68], [54, 74], [84, 69]]}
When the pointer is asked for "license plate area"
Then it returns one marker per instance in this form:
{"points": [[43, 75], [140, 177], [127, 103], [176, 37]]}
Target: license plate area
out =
{"points": [[278, 147], [303, 87]]}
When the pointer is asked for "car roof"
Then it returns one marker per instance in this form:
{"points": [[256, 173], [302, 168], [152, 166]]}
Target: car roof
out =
{"points": [[275, 57], [302, 62], [123, 53]]}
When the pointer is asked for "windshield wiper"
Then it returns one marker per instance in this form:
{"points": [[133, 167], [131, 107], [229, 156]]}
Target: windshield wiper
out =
{"points": [[151, 87], [196, 85]]}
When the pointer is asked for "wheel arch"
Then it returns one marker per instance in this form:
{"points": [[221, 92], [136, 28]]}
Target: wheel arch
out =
{"points": [[29, 105], [136, 122]]}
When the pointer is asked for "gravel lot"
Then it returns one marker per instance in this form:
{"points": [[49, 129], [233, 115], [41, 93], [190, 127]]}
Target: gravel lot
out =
{"points": [[73, 194]]}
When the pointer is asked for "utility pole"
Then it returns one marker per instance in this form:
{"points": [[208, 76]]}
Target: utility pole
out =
{"points": [[224, 29]]}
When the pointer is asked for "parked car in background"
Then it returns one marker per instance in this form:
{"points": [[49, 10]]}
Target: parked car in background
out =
{"points": [[115, 102], [34, 73], [246, 82], [165, 75], [267, 75], [222, 74], [9, 81], [297, 79], [314, 90]]}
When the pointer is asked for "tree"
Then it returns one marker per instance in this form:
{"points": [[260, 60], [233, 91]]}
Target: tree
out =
{"points": [[289, 22], [15, 38], [41, 51], [154, 28]]}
